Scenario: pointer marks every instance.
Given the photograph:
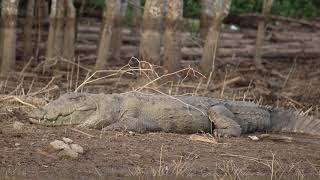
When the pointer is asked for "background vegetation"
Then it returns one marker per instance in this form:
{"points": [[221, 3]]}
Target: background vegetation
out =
{"points": [[292, 8]]}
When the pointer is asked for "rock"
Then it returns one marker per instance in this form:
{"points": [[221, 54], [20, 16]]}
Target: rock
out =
{"points": [[77, 148], [131, 133], [67, 140], [58, 145], [68, 153], [17, 125], [254, 138], [136, 155], [17, 144]]}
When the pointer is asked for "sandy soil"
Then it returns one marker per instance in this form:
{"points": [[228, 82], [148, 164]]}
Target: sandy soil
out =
{"points": [[122, 154]]}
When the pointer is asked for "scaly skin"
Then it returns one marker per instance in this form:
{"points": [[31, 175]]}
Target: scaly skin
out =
{"points": [[148, 112]]}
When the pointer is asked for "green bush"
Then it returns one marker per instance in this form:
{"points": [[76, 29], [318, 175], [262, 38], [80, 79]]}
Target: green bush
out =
{"points": [[292, 8]]}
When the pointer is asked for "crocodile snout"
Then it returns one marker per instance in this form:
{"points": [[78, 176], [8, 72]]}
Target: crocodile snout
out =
{"points": [[37, 115]]}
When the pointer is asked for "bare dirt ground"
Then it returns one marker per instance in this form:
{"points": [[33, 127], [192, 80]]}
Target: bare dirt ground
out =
{"points": [[288, 82]]}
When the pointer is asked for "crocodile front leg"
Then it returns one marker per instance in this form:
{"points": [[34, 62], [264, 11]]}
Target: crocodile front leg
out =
{"points": [[133, 124], [224, 121]]}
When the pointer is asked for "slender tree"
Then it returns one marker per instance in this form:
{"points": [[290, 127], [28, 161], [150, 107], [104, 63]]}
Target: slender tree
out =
{"points": [[172, 36], [206, 17], [62, 31], [83, 5], [136, 16], [69, 31], [28, 27], [110, 21], [267, 4], [150, 43], [9, 10], [55, 37], [41, 14], [116, 39], [221, 10]]}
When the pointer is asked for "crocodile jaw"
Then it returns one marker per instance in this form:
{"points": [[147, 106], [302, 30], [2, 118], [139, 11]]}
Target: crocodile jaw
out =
{"points": [[41, 116]]}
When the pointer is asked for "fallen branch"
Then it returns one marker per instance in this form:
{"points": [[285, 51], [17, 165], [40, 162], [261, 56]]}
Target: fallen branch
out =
{"points": [[17, 99], [272, 137], [226, 83], [196, 137], [275, 137], [81, 132], [281, 18]]}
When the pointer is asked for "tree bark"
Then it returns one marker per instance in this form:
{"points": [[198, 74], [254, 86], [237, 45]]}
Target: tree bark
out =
{"points": [[59, 28], [28, 27], [82, 6], [55, 37], [221, 10], [136, 17], [108, 29], [116, 42], [8, 35], [123, 7], [172, 36], [150, 43], [206, 17], [267, 4], [69, 31], [41, 13]]}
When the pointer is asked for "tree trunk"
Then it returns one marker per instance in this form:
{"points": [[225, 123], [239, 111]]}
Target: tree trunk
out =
{"points": [[8, 33], [172, 36], [221, 10], [116, 42], [28, 27], [136, 17], [83, 5], [150, 43], [69, 31], [59, 29], [55, 37], [267, 4], [40, 13], [110, 20], [123, 8], [52, 30], [206, 17]]}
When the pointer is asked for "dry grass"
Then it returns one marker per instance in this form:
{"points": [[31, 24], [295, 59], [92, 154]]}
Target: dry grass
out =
{"points": [[180, 167], [231, 169]]}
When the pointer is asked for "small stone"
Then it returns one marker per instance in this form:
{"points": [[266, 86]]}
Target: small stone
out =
{"points": [[17, 144], [131, 133], [67, 140], [254, 138], [77, 148], [136, 155], [59, 145], [68, 153], [17, 125]]}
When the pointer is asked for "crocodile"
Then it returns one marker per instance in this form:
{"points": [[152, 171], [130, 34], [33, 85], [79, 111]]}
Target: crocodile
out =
{"points": [[140, 112]]}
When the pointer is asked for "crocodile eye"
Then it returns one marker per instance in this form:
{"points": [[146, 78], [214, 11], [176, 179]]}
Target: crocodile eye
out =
{"points": [[78, 98]]}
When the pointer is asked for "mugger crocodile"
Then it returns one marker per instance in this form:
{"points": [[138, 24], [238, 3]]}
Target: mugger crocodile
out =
{"points": [[141, 113]]}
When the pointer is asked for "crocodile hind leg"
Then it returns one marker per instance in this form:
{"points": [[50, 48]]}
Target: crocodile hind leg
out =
{"points": [[224, 121]]}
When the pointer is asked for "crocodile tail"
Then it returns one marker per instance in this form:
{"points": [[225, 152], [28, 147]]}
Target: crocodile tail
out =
{"points": [[292, 121]]}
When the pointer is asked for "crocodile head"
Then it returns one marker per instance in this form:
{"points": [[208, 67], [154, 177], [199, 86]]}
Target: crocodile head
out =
{"points": [[69, 109]]}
